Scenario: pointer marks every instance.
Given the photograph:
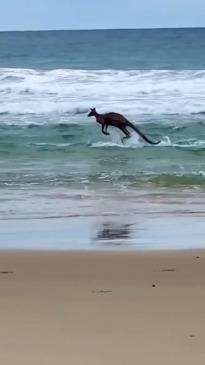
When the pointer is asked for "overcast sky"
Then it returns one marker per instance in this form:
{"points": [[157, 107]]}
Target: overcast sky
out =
{"points": [[94, 14]]}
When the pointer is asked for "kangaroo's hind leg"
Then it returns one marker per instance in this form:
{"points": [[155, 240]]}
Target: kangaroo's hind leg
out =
{"points": [[126, 132], [106, 126], [104, 129]]}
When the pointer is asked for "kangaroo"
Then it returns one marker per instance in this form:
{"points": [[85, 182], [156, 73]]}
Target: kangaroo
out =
{"points": [[118, 121]]}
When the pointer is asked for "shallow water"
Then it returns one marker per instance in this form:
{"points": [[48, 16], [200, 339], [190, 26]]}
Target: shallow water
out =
{"points": [[134, 220], [54, 161]]}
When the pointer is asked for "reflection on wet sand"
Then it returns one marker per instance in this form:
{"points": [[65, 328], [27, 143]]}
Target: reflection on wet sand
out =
{"points": [[113, 233]]}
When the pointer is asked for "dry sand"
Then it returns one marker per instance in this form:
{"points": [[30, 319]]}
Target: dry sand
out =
{"points": [[93, 308]]}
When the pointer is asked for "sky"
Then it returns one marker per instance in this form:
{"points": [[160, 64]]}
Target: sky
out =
{"points": [[98, 14]]}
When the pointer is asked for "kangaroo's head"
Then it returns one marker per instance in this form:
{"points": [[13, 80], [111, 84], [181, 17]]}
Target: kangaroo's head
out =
{"points": [[92, 112]]}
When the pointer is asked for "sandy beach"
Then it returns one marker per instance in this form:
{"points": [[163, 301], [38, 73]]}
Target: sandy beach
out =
{"points": [[102, 307], [102, 239]]}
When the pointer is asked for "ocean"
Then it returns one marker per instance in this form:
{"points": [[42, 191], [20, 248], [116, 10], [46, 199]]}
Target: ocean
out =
{"points": [[54, 160]]}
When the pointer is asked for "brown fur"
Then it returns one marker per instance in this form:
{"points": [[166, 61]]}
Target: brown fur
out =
{"points": [[119, 121]]}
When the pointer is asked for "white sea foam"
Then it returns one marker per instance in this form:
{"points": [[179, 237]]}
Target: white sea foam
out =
{"points": [[25, 91], [165, 142]]}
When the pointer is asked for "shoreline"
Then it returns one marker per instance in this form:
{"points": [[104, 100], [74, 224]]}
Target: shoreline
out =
{"points": [[133, 232]]}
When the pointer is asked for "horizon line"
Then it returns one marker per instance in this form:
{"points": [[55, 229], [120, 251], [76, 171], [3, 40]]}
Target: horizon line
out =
{"points": [[99, 29]]}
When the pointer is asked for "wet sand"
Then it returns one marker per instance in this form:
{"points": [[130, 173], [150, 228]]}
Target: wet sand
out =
{"points": [[102, 307], [138, 220], [155, 231]]}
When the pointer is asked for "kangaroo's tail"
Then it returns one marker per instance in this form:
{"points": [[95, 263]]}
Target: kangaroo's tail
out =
{"points": [[141, 134]]}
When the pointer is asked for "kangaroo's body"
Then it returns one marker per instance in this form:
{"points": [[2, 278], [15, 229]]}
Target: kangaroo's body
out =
{"points": [[119, 121]]}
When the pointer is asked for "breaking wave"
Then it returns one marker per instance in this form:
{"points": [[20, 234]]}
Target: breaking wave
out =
{"points": [[72, 92]]}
